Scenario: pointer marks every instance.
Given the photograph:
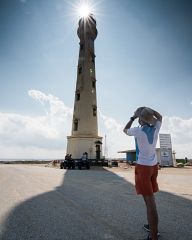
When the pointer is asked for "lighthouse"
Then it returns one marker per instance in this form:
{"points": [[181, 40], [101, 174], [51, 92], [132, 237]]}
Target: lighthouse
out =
{"points": [[84, 135]]}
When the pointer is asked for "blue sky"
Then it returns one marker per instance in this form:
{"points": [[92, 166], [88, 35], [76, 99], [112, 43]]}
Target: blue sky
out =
{"points": [[143, 58]]}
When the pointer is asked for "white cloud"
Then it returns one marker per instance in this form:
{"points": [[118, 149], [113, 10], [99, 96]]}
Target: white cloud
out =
{"points": [[15, 126], [110, 123], [116, 140], [45, 136], [46, 132], [181, 134], [56, 106], [180, 129]]}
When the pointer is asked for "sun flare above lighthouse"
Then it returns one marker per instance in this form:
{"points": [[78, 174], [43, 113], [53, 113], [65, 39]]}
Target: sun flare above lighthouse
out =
{"points": [[84, 10], [87, 9]]}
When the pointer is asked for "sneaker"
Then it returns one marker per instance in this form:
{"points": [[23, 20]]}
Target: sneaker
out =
{"points": [[146, 227], [149, 238]]}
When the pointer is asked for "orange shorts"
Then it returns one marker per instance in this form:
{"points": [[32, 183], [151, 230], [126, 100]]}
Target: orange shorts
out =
{"points": [[146, 179]]}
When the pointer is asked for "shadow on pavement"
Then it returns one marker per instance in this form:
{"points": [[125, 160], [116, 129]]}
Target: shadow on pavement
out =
{"points": [[95, 205]]}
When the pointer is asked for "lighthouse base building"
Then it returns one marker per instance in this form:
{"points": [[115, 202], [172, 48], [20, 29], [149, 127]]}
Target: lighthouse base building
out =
{"points": [[78, 145]]}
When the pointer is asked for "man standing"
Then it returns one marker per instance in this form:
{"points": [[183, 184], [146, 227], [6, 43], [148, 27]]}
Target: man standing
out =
{"points": [[146, 170]]}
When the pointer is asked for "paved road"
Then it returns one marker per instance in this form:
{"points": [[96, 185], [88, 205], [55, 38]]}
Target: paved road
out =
{"points": [[41, 203]]}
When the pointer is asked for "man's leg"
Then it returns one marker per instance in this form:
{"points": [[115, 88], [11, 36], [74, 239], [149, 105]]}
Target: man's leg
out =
{"points": [[152, 215]]}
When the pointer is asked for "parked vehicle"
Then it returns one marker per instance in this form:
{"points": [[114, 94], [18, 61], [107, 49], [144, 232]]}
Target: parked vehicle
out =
{"points": [[68, 163], [84, 162]]}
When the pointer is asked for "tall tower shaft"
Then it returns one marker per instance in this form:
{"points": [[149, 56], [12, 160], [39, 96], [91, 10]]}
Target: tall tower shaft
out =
{"points": [[84, 136]]}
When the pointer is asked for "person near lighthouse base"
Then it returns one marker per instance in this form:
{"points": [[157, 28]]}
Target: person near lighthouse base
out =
{"points": [[146, 169]]}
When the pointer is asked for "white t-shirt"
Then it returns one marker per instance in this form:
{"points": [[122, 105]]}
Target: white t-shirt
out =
{"points": [[145, 140]]}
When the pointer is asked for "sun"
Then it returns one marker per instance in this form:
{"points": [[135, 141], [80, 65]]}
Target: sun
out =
{"points": [[84, 10]]}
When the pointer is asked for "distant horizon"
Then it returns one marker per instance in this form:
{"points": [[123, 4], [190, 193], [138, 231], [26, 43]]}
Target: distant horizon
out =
{"points": [[41, 159], [1, 159]]}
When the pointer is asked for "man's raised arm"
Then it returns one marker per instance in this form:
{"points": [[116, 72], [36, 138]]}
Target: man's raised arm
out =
{"points": [[129, 124], [157, 115]]}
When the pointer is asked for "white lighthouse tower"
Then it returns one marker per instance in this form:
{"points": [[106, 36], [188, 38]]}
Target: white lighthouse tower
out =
{"points": [[84, 135]]}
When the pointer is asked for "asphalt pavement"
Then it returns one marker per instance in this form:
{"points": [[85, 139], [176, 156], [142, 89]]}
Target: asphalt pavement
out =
{"points": [[42, 203]]}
